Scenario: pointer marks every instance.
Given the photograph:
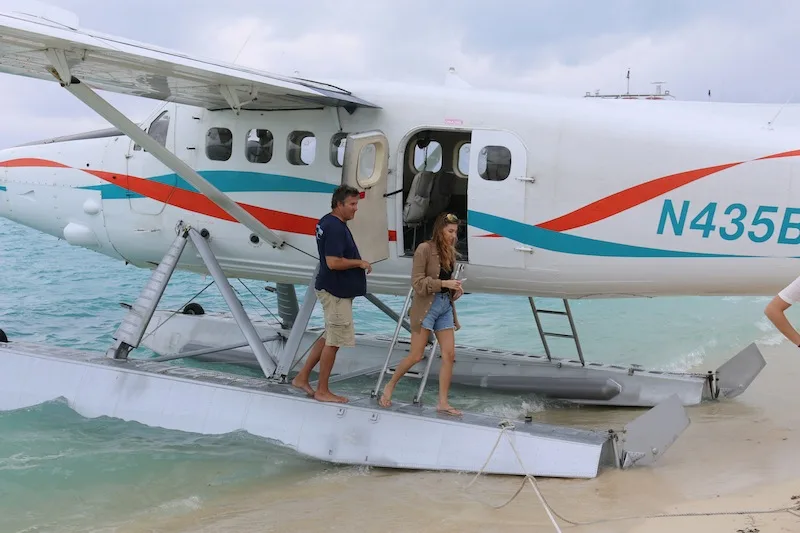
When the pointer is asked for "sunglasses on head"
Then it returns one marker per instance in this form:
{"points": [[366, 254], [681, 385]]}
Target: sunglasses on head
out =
{"points": [[451, 218]]}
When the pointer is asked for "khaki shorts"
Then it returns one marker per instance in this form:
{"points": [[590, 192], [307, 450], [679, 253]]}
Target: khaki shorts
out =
{"points": [[338, 314]]}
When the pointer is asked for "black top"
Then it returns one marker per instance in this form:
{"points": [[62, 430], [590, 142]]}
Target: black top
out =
{"points": [[443, 275], [334, 239]]}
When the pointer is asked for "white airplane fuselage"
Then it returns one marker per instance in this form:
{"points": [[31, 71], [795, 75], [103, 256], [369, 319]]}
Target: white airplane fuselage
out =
{"points": [[600, 199]]}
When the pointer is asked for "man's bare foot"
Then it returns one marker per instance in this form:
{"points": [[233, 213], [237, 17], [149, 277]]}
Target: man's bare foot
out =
{"points": [[385, 399], [448, 410], [329, 397], [303, 385]]}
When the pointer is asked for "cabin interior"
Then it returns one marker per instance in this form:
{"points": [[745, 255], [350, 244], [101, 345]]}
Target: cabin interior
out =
{"points": [[435, 169]]}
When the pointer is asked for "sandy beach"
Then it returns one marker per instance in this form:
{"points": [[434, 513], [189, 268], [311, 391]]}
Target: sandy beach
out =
{"points": [[737, 455]]}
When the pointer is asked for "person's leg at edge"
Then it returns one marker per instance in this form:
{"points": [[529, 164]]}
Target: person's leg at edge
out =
{"points": [[447, 344], [418, 342], [301, 379], [326, 361]]}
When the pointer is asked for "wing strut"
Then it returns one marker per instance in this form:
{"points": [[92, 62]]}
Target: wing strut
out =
{"points": [[86, 95]]}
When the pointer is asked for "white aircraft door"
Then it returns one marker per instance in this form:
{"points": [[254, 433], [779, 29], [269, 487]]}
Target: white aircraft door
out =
{"points": [[150, 182], [365, 167], [496, 191]]}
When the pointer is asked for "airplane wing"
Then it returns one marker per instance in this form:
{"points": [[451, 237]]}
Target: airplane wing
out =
{"points": [[30, 45]]}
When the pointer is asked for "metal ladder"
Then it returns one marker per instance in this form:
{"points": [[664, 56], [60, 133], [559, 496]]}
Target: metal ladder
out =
{"points": [[544, 334], [428, 354]]}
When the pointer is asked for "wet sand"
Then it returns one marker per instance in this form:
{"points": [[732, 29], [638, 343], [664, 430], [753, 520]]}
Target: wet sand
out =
{"points": [[736, 455]]}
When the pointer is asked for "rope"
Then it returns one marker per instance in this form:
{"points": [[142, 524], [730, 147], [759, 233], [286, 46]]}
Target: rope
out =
{"points": [[259, 301], [302, 251], [505, 425], [178, 310]]}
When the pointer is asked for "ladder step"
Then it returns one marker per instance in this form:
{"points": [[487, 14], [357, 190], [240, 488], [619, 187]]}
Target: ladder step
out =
{"points": [[411, 373], [562, 335], [551, 312]]}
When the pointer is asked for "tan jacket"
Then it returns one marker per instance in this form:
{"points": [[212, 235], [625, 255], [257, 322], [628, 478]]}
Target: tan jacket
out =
{"points": [[426, 283]]}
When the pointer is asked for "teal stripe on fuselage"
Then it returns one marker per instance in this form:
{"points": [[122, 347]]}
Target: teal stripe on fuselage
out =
{"points": [[227, 181], [570, 244], [2, 188], [234, 181]]}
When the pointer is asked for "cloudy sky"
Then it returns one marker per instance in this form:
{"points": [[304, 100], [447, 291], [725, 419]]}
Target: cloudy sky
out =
{"points": [[741, 50]]}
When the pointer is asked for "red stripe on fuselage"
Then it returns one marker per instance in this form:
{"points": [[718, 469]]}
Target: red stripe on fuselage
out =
{"points": [[31, 162], [199, 203], [628, 198]]}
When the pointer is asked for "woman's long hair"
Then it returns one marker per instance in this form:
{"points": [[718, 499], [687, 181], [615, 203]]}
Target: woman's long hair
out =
{"points": [[447, 252]]}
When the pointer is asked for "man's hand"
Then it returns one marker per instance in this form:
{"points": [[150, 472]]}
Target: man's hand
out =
{"points": [[339, 263]]}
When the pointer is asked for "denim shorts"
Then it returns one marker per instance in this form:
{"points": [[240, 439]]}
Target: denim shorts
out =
{"points": [[440, 315]]}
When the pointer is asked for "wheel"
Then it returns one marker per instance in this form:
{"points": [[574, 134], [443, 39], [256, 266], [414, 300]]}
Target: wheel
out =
{"points": [[193, 309], [3, 337]]}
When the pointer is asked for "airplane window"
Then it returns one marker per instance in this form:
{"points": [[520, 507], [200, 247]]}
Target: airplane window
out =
{"points": [[462, 160], [219, 144], [366, 165], [301, 148], [337, 149], [494, 163], [427, 156], [258, 146]]}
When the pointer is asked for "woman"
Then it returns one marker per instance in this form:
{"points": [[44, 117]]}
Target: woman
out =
{"points": [[432, 307]]}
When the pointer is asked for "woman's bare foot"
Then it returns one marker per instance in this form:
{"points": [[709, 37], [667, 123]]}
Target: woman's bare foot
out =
{"points": [[447, 409], [386, 398], [302, 384], [328, 396]]}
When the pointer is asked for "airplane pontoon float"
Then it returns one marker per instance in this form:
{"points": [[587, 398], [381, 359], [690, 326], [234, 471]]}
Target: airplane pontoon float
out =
{"points": [[359, 432]]}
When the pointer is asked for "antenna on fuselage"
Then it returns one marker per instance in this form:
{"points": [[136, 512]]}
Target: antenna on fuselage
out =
{"points": [[772, 122], [235, 59], [628, 76]]}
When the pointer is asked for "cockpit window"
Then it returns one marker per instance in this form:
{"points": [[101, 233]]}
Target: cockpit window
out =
{"points": [[159, 128]]}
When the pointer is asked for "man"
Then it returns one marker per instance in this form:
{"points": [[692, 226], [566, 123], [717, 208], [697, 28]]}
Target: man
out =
{"points": [[342, 277], [779, 304]]}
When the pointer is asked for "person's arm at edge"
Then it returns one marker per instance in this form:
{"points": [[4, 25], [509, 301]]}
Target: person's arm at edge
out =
{"points": [[775, 312]]}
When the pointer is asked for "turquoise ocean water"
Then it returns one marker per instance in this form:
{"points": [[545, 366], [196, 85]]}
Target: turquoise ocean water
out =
{"points": [[62, 472]]}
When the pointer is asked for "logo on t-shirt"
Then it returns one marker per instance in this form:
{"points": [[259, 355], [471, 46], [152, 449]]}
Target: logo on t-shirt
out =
{"points": [[319, 231]]}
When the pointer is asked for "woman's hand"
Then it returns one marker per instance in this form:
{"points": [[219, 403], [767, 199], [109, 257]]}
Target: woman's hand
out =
{"points": [[458, 293], [452, 284]]}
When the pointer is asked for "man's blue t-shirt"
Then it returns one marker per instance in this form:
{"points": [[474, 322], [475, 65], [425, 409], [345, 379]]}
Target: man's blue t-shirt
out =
{"points": [[334, 239]]}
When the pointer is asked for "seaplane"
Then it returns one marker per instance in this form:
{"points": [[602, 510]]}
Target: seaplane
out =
{"points": [[562, 198]]}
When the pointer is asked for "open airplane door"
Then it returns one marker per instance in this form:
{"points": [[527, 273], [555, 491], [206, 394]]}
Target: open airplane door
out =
{"points": [[365, 167], [496, 198]]}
